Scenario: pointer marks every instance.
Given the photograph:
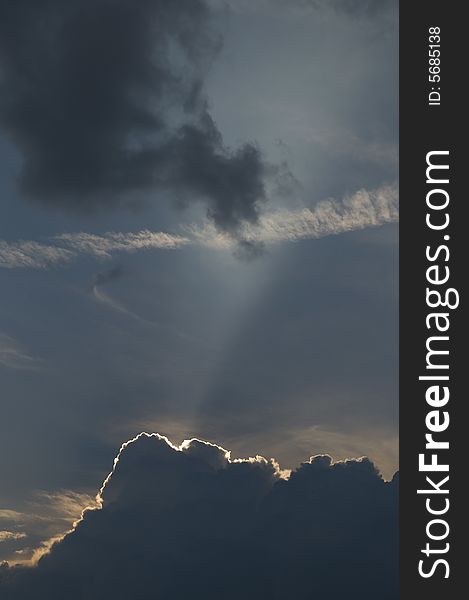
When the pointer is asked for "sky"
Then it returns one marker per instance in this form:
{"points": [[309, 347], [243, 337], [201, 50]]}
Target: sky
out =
{"points": [[198, 238]]}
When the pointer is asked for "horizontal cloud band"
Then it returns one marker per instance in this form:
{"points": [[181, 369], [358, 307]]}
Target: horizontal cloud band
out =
{"points": [[329, 217]]}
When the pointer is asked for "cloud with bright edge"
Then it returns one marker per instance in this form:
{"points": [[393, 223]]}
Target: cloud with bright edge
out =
{"points": [[190, 521]]}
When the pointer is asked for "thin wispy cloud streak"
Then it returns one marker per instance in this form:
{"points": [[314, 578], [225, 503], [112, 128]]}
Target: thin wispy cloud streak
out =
{"points": [[6, 536], [105, 245], [329, 217], [100, 295], [31, 254], [361, 210], [12, 356], [67, 246]]}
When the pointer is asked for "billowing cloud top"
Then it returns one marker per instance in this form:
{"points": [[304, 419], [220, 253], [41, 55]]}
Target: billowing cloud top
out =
{"points": [[190, 522]]}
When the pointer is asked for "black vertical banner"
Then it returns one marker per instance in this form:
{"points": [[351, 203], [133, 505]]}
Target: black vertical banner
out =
{"points": [[432, 258]]}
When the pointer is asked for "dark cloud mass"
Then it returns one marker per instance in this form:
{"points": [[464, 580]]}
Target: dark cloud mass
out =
{"points": [[193, 523], [104, 98]]}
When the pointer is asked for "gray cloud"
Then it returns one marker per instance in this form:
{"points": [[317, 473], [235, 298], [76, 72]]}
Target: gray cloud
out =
{"points": [[190, 521], [105, 98], [348, 8], [358, 8]]}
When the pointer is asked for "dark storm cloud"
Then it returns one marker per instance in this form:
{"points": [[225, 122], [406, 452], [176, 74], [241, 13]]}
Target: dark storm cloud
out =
{"points": [[192, 523], [104, 98]]}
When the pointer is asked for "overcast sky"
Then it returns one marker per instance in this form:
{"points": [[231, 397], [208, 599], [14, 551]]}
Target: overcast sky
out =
{"points": [[198, 237]]}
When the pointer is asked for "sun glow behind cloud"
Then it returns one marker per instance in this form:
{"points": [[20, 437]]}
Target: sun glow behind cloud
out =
{"points": [[71, 508]]}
